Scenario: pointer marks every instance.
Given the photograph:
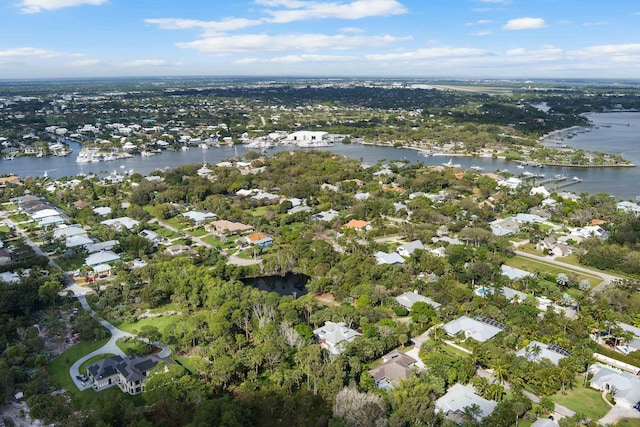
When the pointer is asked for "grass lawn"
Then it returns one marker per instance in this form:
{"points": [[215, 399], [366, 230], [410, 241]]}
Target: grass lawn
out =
{"points": [[164, 324], [187, 362], [586, 401], [71, 263], [83, 368], [534, 266], [627, 422], [213, 240], [197, 232], [165, 232], [454, 351], [4, 228], [259, 211], [175, 222], [133, 347]]}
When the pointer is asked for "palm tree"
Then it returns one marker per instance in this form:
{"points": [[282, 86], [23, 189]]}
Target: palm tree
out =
{"points": [[501, 371], [565, 375], [496, 392], [533, 352], [481, 385]]}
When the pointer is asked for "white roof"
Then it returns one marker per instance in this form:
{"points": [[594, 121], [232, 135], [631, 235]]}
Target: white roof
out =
{"points": [[100, 246], [101, 258], [327, 216], [101, 268], [514, 273], [332, 334], [627, 385], [102, 210], [459, 397], [472, 328], [52, 220], [44, 213], [9, 277], [198, 216], [546, 352], [69, 231], [409, 298], [410, 247], [77, 240], [123, 221], [385, 258]]}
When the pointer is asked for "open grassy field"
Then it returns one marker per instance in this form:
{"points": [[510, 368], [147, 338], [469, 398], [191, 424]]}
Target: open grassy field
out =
{"points": [[586, 401], [164, 324], [534, 266]]}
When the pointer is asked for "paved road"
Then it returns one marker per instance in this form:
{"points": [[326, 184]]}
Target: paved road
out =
{"points": [[607, 278]]}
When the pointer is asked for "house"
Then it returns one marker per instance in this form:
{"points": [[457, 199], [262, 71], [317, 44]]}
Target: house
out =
{"points": [[629, 207], [77, 240], [81, 204], [325, 216], [407, 249], [514, 273], [5, 256], [545, 422], [128, 373], [102, 210], [9, 277], [504, 227], [625, 385], [511, 183], [103, 257], [479, 328], [634, 343], [92, 248], [261, 240], [590, 231], [547, 243], [198, 217], [395, 367], [407, 300], [150, 235], [329, 187], [13, 179], [543, 213], [523, 218], [44, 213], [357, 224], [385, 258], [306, 137], [101, 271], [535, 351], [335, 336], [297, 209], [453, 404], [120, 223], [226, 228], [362, 196], [69, 231], [540, 190], [176, 249]]}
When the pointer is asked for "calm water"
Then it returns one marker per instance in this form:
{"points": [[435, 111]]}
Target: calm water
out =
{"points": [[617, 133]]}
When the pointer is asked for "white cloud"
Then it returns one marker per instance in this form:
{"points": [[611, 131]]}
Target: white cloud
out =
{"points": [[352, 30], [429, 53], [30, 51], [609, 50], [145, 63], [524, 24], [287, 42], [483, 33], [296, 59], [545, 54], [595, 24], [295, 10], [228, 24], [85, 62], [35, 6]]}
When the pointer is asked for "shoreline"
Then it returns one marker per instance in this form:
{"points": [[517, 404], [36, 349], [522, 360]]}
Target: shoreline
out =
{"points": [[481, 156]]}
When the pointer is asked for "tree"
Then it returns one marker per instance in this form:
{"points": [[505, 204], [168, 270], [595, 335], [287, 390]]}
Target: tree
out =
{"points": [[359, 409], [501, 370], [562, 279]]}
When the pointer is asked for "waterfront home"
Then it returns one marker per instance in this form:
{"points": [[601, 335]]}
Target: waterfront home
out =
{"points": [[260, 240], [479, 328], [335, 336], [535, 351], [458, 398], [395, 367], [407, 300], [629, 207]]}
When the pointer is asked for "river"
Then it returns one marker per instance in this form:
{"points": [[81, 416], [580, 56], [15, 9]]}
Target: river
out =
{"points": [[613, 132]]}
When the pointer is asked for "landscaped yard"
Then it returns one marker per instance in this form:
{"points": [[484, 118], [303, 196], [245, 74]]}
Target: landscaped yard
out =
{"points": [[165, 324], [197, 232], [583, 400], [629, 422]]}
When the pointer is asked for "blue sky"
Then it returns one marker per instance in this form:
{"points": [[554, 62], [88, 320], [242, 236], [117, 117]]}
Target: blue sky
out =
{"points": [[385, 38]]}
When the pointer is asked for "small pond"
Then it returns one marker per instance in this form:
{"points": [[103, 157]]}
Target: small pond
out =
{"points": [[291, 284]]}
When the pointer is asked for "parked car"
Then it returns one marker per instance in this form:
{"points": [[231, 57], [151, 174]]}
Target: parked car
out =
{"points": [[610, 343]]}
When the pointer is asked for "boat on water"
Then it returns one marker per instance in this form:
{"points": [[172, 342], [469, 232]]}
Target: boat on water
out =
{"points": [[576, 179], [147, 153], [559, 176], [520, 166], [476, 168], [185, 148], [450, 164], [204, 146]]}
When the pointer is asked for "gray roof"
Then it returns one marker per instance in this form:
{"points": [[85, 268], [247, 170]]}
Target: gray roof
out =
{"points": [[547, 351], [69, 231], [104, 257], [333, 334], [459, 397], [472, 328], [101, 246], [77, 240], [627, 385], [385, 258], [410, 247], [544, 422], [514, 273], [131, 368], [409, 298], [327, 216], [396, 366], [124, 221]]}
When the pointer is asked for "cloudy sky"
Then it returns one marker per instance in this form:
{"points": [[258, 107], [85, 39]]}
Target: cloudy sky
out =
{"points": [[394, 38]]}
